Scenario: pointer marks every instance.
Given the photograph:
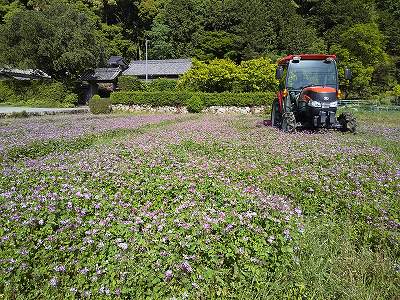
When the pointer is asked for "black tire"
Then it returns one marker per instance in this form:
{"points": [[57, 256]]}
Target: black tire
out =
{"points": [[276, 117], [289, 122], [348, 122]]}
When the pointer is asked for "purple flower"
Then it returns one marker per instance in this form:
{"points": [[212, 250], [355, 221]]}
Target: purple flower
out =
{"points": [[206, 226], [24, 252], [59, 268], [186, 267], [271, 239], [195, 285], [286, 232], [168, 275], [229, 227], [53, 282], [123, 246], [298, 211]]}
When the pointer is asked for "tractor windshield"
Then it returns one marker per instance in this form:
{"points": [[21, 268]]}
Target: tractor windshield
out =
{"points": [[310, 73]]}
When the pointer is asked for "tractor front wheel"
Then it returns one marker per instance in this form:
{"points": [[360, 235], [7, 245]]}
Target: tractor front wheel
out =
{"points": [[276, 116], [348, 122], [289, 122]]}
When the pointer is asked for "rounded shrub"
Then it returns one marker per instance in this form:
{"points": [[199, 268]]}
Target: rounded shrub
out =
{"points": [[97, 105], [195, 104]]}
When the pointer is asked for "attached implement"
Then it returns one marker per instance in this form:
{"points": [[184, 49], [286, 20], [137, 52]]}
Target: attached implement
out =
{"points": [[309, 93]]}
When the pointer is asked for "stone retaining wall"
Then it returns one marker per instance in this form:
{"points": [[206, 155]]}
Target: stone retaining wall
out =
{"points": [[34, 112], [183, 110]]}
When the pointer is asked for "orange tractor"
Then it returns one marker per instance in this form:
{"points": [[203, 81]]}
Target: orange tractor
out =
{"points": [[309, 93]]}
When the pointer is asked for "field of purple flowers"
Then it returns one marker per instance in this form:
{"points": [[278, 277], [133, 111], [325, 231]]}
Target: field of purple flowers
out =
{"points": [[198, 207]]}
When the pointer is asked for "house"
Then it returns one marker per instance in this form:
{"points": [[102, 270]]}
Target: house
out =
{"points": [[105, 80], [169, 68]]}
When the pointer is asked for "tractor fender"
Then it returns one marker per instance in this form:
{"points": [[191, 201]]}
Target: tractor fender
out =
{"points": [[280, 101]]}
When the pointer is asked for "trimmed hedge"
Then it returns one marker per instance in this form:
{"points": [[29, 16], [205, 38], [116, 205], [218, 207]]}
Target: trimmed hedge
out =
{"points": [[161, 85], [130, 83], [133, 84], [182, 98]]}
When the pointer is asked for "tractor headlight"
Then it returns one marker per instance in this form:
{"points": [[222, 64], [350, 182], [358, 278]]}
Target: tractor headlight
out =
{"points": [[315, 104], [333, 104]]}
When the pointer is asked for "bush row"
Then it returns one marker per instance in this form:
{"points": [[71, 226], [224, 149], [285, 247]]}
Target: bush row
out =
{"points": [[132, 83], [36, 93], [222, 75], [182, 98]]}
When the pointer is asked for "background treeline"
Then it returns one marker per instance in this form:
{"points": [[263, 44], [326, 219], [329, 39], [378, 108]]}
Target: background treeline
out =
{"points": [[66, 37]]}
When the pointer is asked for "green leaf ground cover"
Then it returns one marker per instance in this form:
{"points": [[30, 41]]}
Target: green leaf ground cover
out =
{"points": [[208, 207]]}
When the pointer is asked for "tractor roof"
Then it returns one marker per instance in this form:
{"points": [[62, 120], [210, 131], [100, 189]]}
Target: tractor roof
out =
{"points": [[288, 58]]}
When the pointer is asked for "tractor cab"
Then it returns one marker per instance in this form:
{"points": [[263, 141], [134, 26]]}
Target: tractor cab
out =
{"points": [[309, 92]]}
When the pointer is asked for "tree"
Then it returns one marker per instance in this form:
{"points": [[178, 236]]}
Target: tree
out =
{"points": [[366, 42], [115, 43], [332, 17], [305, 40], [161, 46], [215, 44], [360, 85], [59, 40]]}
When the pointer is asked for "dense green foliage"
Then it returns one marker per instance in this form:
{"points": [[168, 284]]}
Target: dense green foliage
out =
{"points": [[181, 98], [36, 93], [49, 34], [195, 104], [98, 105], [161, 85], [132, 83], [59, 40], [221, 75]]}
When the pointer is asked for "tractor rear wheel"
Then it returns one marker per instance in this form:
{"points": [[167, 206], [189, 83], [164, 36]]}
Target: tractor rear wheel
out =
{"points": [[289, 122], [276, 116], [348, 122]]}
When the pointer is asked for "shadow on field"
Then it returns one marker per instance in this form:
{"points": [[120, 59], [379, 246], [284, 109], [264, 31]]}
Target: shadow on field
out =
{"points": [[268, 123]]}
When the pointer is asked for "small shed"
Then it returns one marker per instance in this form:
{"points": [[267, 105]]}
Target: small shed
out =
{"points": [[107, 76], [169, 68]]}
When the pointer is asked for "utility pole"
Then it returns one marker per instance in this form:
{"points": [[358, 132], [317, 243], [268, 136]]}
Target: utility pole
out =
{"points": [[147, 65]]}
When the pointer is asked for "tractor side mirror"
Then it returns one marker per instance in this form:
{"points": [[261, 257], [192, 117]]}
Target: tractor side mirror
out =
{"points": [[279, 73], [347, 74]]}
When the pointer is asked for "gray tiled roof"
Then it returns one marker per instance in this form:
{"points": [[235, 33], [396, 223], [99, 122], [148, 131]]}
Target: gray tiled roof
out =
{"points": [[116, 61], [24, 74], [159, 67], [102, 74]]}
